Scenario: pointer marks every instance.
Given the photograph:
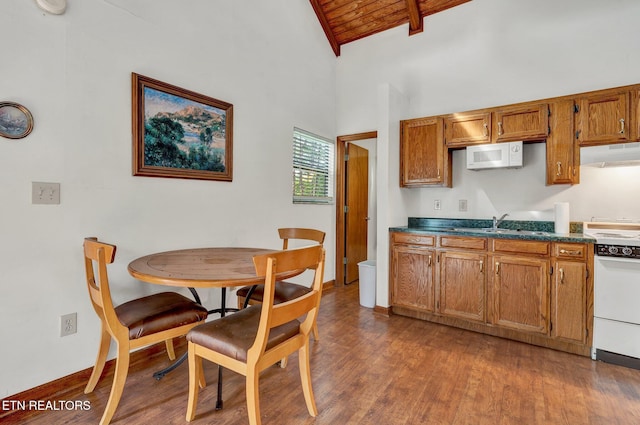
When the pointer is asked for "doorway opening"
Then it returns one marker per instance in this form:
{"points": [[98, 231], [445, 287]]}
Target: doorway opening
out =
{"points": [[352, 205]]}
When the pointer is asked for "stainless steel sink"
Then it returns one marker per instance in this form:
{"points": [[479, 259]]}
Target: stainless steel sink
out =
{"points": [[499, 231]]}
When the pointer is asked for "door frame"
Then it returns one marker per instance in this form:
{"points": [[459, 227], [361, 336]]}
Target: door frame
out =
{"points": [[341, 143]]}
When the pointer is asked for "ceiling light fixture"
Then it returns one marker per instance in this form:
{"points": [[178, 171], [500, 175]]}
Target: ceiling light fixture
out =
{"points": [[56, 7]]}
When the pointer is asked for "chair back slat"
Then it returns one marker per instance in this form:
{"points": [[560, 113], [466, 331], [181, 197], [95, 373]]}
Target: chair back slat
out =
{"points": [[304, 258], [97, 255], [291, 310], [287, 233]]}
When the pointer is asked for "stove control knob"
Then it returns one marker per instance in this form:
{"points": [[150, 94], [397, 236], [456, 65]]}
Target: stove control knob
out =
{"points": [[627, 251], [613, 250]]}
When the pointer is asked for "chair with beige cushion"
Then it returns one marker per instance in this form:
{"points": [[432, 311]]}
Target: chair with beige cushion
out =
{"points": [[257, 337], [134, 324], [284, 291]]}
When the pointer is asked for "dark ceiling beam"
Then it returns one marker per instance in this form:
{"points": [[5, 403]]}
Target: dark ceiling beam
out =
{"points": [[415, 20], [325, 26]]}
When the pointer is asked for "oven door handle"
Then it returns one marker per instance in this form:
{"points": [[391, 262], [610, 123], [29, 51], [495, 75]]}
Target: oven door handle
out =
{"points": [[618, 259]]}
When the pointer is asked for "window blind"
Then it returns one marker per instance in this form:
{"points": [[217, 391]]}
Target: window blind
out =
{"points": [[312, 168]]}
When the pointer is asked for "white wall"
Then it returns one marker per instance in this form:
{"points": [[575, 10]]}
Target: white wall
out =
{"points": [[489, 53], [271, 60]]}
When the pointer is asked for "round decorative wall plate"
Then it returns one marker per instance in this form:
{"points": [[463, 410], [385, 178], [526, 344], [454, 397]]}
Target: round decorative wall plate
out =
{"points": [[16, 121]]}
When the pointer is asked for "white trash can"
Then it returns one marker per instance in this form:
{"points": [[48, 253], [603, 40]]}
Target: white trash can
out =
{"points": [[367, 272]]}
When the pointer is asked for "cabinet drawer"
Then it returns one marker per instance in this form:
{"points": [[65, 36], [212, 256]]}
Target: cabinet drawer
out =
{"points": [[576, 251], [413, 239], [516, 245], [463, 242]]}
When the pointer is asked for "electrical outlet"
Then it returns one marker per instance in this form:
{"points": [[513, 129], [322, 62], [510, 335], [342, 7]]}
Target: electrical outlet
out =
{"points": [[436, 204], [45, 193], [462, 205], [68, 324]]}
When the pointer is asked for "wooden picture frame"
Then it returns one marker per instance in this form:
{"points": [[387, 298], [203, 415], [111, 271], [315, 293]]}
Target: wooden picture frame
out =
{"points": [[178, 133], [16, 121]]}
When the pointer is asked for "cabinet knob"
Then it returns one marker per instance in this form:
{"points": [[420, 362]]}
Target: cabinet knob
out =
{"points": [[497, 268], [559, 170], [481, 266], [561, 273], [621, 126], [486, 129], [499, 128], [567, 252]]}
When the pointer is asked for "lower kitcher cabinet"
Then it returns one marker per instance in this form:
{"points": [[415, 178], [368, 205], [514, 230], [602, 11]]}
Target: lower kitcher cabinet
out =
{"points": [[413, 277], [568, 301], [462, 285], [520, 293]]}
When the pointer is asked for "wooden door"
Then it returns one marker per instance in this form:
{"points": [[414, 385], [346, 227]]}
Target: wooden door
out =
{"points": [[423, 157], [467, 129], [562, 151], [520, 293], [462, 285], [341, 187], [568, 302], [413, 277], [513, 123], [604, 118], [356, 211]]}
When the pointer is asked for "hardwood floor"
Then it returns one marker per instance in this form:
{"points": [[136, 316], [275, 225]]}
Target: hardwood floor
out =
{"points": [[370, 369]]}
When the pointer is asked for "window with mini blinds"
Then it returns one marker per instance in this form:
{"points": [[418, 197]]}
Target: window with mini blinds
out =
{"points": [[313, 158]]}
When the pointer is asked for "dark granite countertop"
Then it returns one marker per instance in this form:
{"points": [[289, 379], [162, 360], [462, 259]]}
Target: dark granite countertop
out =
{"points": [[508, 229]]}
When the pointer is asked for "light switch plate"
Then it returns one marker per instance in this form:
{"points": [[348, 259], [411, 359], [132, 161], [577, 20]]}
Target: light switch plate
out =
{"points": [[462, 205], [45, 193]]}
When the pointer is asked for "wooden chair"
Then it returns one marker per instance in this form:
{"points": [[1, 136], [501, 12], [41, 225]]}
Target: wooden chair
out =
{"points": [[143, 321], [284, 291], [257, 337]]}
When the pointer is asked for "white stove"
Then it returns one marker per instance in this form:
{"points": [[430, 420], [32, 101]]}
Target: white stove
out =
{"points": [[625, 234], [616, 330]]}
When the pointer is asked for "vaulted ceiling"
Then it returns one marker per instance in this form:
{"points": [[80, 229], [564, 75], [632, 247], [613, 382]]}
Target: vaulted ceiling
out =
{"points": [[344, 21]]}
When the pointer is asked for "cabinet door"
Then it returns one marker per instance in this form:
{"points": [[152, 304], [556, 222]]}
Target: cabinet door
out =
{"points": [[568, 301], [562, 149], [422, 153], [529, 122], [467, 129], [413, 274], [635, 115], [520, 293], [604, 118], [462, 285]]}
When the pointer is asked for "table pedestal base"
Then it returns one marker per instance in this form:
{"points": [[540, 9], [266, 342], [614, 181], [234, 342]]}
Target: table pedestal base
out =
{"points": [[222, 311]]}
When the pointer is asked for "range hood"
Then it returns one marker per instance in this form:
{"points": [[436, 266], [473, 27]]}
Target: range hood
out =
{"points": [[618, 155]]}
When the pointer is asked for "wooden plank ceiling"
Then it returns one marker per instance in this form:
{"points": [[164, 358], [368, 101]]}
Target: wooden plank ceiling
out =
{"points": [[344, 21]]}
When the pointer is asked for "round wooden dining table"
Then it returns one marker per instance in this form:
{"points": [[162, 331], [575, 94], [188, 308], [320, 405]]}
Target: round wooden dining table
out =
{"points": [[202, 268]]}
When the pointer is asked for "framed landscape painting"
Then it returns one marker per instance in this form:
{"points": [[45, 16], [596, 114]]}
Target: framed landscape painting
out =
{"points": [[179, 133]]}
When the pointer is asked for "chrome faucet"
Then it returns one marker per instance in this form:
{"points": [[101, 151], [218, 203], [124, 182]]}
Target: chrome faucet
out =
{"points": [[498, 221]]}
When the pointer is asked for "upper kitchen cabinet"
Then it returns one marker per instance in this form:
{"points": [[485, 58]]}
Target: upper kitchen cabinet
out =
{"points": [[563, 153], [603, 118], [467, 129], [424, 161], [635, 114], [521, 122]]}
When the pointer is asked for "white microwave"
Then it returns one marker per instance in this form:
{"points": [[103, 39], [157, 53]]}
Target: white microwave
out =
{"points": [[495, 155]]}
